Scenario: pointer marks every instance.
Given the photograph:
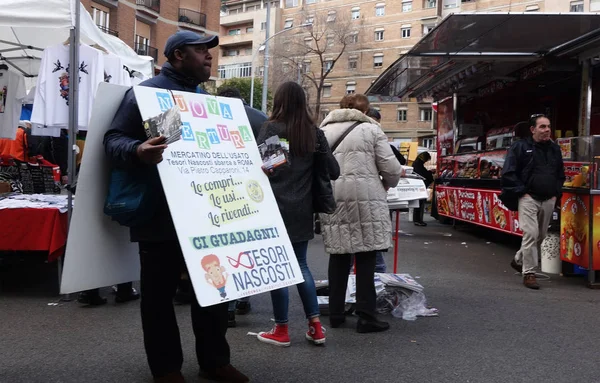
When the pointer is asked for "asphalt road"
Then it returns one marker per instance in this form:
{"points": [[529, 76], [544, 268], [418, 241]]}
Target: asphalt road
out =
{"points": [[490, 328]]}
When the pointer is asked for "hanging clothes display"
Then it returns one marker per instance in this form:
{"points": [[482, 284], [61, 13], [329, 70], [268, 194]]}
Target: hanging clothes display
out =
{"points": [[12, 92], [51, 103], [114, 72]]}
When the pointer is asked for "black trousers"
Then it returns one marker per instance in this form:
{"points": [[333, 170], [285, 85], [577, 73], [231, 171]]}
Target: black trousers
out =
{"points": [[339, 268], [162, 263], [419, 213]]}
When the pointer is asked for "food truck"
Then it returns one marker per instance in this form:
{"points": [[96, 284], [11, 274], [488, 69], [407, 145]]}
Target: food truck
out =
{"points": [[487, 75]]}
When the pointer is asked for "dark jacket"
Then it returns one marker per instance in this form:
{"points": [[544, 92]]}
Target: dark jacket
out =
{"points": [[122, 140], [419, 168], [518, 168], [256, 119], [292, 185]]}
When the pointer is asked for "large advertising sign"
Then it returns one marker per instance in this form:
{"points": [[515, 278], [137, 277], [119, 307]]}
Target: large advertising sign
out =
{"points": [[445, 123], [227, 220], [575, 232], [478, 206]]}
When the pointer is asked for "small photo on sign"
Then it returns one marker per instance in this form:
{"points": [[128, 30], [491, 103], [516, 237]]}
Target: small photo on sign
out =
{"points": [[272, 152], [167, 124]]}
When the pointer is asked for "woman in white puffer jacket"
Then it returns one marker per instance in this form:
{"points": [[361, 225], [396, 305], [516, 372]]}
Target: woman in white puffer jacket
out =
{"points": [[360, 225]]}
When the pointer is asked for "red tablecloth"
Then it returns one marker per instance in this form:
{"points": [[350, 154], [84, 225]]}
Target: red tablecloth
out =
{"points": [[34, 230]]}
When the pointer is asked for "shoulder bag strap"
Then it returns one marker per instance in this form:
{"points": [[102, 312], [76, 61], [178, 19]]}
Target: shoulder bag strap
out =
{"points": [[339, 141]]}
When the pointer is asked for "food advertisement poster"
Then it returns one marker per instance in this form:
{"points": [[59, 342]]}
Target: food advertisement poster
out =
{"points": [[574, 229], [233, 238], [577, 174], [478, 206], [596, 237], [565, 148], [445, 118]]}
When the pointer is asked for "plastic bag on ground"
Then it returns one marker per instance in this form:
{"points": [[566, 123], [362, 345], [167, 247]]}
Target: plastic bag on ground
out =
{"points": [[412, 307]]}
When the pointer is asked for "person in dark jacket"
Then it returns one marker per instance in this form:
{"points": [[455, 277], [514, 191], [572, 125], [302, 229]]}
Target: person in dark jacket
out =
{"points": [[189, 63], [419, 168], [533, 175], [292, 187], [255, 117]]}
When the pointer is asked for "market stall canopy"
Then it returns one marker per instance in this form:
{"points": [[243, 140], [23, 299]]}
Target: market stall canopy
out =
{"points": [[27, 27], [467, 51]]}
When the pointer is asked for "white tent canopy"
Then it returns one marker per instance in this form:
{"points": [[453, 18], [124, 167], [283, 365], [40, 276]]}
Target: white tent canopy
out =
{"points": [[27, 27]]}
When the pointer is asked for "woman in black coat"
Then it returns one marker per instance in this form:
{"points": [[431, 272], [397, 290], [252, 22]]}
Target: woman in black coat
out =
{"points": [[419, 168]]}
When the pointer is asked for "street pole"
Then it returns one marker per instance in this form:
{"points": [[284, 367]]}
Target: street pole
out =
{"points": [[252, 75], [265, 86]]}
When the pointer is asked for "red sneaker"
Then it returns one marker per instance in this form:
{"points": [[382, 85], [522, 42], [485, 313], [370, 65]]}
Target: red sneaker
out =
{"points": [[278, 336], [315, 333]]}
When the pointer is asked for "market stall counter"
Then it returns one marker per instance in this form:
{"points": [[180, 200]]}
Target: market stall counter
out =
{"points": [[36, 222], [468, 184]]}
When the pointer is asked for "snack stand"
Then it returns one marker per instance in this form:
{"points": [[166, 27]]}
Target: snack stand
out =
{"points": [[489, 73], [28, 27]]}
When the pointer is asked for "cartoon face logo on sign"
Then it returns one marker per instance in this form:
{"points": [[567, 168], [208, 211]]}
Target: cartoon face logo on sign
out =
{"points": [[216, 275], [255, 192]]}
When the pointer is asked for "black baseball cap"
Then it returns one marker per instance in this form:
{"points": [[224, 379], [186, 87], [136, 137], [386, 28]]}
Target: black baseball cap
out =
{"points": [[182, 38]]}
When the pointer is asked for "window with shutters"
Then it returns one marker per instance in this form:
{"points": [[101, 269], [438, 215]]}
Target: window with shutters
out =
{"points": [[577, 6], [425, 114], [402, 114], [378, 61]]}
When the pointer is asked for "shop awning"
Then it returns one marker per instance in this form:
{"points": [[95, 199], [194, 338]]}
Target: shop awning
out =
{"points": [[27, 27], [466, 51]]}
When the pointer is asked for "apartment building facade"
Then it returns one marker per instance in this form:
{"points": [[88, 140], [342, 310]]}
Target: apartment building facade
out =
{"points": [[145, 25], [381, 30], [242, 32]]}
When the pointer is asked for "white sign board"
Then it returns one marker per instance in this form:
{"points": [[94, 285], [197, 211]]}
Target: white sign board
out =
{"points": [[408, 189], [99, 252], [228, 224]]}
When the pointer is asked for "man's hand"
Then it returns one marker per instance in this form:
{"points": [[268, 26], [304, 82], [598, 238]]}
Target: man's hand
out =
{"points": [[150, 152]]}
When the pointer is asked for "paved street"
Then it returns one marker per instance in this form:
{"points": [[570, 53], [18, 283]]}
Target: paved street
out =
{"points": [[490, 328]]}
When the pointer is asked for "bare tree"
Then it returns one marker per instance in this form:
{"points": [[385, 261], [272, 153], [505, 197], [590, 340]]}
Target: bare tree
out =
{"points": [[326, 42]]}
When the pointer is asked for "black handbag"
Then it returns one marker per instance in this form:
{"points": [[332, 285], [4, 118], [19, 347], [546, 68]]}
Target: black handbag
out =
{"points": [[323, 200]]}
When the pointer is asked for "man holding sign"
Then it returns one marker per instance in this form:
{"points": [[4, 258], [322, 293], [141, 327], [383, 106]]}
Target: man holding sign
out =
{"points": [[189, 63]]}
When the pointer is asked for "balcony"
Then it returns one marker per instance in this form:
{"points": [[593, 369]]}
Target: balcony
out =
{"points": [[153, 5], [108, 31], [109, 3], [187, 16], [234, 40], [146, 50]]}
